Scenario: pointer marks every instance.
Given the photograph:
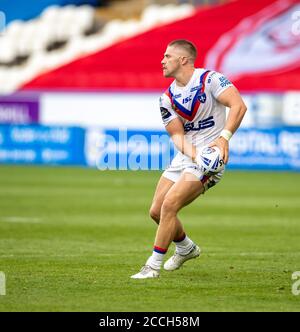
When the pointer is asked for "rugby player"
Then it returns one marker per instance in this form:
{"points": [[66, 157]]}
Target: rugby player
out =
{"points": [[193, 110]]}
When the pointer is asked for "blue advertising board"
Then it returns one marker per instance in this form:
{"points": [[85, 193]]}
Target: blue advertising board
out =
{"points": [[35, 144], [269, 149]]}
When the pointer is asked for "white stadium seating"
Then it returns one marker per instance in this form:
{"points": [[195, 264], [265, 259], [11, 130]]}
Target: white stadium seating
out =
{"points": [[62, 29]]}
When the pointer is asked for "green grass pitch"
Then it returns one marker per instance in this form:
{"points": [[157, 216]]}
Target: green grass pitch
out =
{"points": [[70, 238]]}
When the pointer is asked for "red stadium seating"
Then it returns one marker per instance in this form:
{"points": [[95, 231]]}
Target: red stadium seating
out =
{"points": [[134, 64]]}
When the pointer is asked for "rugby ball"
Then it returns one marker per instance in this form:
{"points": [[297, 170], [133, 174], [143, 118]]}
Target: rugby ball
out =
{"points": [[209, 159]]}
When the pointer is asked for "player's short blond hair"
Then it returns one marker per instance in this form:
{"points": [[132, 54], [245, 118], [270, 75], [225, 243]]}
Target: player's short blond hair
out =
{"points": [[187, 45]]}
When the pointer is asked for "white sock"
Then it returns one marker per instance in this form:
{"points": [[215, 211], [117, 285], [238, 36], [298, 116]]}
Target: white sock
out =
{"points": [[156, 259], [184, 246]]}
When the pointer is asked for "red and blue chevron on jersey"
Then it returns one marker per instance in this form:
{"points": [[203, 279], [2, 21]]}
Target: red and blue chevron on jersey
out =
{"points": [[196, 104]]}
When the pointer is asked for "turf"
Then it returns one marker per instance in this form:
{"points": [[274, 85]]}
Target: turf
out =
{"points": [[71, 237]]}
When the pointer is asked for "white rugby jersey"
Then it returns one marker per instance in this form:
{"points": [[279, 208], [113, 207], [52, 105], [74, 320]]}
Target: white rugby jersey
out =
{"points": [[196, 105]]}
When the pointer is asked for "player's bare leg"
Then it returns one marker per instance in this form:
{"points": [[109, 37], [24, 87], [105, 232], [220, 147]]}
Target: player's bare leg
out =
{"points": [[179, 194], [182, 193], [163, 187]]}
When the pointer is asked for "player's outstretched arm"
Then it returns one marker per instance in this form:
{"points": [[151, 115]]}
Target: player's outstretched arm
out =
{"points": [[230, 98], [176, 131]]}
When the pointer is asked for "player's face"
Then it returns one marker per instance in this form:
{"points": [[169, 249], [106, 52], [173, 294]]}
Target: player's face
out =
{"points": [[171, 61]]}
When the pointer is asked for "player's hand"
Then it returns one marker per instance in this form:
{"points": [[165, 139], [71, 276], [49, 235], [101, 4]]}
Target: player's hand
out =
{"points": [[223, 145]]}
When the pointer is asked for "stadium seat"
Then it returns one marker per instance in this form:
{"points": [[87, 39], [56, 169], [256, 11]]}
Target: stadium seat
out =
{"points": [[8, 50], [50, 14], [15, 29]]}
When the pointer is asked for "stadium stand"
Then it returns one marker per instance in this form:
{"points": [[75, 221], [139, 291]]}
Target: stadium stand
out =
{"points": [[62, 34], [140, 45], [76, 47]]}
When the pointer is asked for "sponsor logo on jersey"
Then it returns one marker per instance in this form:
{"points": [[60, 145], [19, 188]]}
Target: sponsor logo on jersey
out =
{"points": [[202, 124], [187, 99], [195, 88], [178, 96], [165, 114], [224, 81], [211, 76]]}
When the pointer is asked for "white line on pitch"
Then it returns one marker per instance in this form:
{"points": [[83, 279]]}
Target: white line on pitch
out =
{"points": [[31, 220]]}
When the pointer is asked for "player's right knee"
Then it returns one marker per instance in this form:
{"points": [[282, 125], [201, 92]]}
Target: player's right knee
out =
{"points": [[154, 214]]}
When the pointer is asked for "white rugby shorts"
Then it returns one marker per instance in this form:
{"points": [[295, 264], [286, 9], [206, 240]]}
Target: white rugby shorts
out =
{"points": [[182, 164]]}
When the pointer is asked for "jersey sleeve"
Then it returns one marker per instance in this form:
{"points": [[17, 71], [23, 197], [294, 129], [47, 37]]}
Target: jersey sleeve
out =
{"points": [[166, 110], [218, 83]]}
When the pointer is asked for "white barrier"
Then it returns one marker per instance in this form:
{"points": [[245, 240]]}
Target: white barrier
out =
{"points": [[109, 110], [141, 110]]}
